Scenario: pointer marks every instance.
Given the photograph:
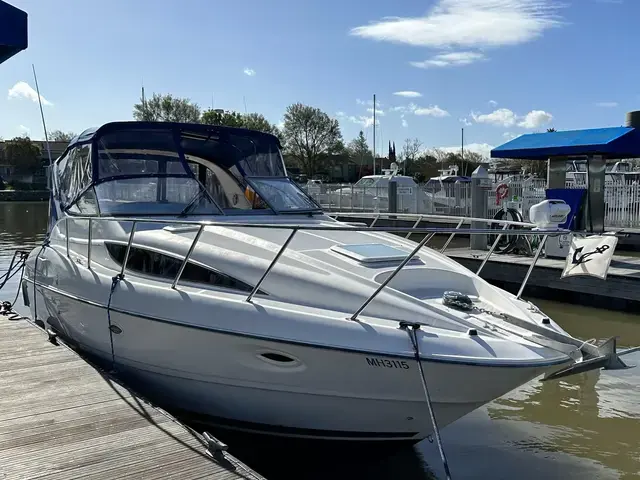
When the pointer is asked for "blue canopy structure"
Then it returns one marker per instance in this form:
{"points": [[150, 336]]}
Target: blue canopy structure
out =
{"points": [[613, 142], [13, 31]]}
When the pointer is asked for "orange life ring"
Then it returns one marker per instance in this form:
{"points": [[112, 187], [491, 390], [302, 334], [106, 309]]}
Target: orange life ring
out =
{"points": [[502, 191]]}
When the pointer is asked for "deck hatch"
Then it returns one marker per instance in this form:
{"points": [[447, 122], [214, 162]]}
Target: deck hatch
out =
{"points": [[371, 252]]}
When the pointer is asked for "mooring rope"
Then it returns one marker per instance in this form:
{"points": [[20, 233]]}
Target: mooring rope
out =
{"points": [[411, 329], [114, 283]]}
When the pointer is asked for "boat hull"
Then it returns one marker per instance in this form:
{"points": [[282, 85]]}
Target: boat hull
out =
{"points": [[324, 393]]}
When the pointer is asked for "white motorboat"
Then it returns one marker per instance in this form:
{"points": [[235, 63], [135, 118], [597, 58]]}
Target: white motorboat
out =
{"points": [[185, 257]]}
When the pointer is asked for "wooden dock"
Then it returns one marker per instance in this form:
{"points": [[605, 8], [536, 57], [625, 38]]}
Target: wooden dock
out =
{"points": [[61, 418], [620, 291]]}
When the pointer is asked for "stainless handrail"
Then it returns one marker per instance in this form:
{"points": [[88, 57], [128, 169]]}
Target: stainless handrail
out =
{"points": [[126, 255], [415, 225], [533, 264], [271, 265], [390, 277], [493, 247], [66, 234], [430, 232], [453, 234], [89, 242], [187, 256]]}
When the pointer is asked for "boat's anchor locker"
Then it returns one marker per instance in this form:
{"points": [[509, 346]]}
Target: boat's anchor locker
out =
{"points": [[411, 329]]}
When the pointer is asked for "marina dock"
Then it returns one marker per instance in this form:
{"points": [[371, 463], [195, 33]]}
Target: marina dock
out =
{"points": [[62, 418], [621, 290]]}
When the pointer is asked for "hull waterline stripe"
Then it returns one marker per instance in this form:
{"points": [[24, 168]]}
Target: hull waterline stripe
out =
{"points": [[539, 364], [294, 431]]}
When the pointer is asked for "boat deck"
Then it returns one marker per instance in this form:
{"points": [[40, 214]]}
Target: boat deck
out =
{"points": [[620, 291], [62, 418]]}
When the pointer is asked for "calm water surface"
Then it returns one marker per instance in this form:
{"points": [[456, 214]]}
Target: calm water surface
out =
{"points": [[582, 427]]}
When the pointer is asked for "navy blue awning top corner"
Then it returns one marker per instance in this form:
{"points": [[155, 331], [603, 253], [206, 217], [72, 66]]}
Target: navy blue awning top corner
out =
{"points": [[612, 142], [13, 31]]}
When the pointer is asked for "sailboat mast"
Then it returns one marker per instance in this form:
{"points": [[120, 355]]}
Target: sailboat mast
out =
{"points": [[374, 133]]}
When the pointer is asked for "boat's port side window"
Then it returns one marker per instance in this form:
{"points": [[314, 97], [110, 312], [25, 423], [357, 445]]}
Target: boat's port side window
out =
{"points": [[153, 263], [73, 173]]}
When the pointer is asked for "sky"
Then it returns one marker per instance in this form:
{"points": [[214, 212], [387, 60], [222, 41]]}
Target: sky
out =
{"points": [[497, 68]]}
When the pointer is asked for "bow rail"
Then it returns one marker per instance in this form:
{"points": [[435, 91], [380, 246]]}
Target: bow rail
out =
{"points": [[525, 229]]}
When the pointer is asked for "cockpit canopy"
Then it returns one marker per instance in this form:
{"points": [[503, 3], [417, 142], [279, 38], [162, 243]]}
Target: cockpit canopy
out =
{"points": [[157, 168]]}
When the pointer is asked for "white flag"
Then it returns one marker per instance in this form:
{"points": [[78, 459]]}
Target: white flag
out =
{"points": [[590, 256]]}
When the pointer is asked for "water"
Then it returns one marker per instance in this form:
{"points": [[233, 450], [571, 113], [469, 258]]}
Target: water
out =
{"points": [[582, 427]]}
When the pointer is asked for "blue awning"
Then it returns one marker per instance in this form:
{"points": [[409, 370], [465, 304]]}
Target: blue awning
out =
{"points": [[13, 31], [613, 142]]}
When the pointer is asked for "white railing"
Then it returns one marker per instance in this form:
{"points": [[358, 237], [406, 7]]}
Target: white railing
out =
{"points": [[622, 201], [522, 229]]}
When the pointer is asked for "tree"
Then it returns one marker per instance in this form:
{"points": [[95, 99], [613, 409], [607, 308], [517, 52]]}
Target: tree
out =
{"points": [[257, 121], [410, 151], [252, 121], [359, 150], [60, 136], [311, 136], [549, 130], [22, 154], [166, 108], [222, 117]]}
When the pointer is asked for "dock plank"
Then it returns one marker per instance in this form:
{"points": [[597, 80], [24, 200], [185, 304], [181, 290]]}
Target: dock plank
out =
{"points": [[61, 418]]}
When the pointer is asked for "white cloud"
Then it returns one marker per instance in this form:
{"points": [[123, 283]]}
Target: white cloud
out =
{"points": [[465, 23], [452, 59], [493, 103], [607, 104], [535, 119], [503, 117], [509, 135], [466, 122], [24, 90], [378, 111], [363, 120], [404, 121], [408, 94], [432, 111], [483, 149], [249, 72], [24, 130]]}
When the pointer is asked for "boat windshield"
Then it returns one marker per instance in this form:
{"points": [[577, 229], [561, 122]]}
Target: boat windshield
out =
{"points": [[366, 182], [153, 171]]}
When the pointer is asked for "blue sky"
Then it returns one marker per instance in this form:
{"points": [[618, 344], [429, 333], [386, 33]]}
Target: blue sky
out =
{"points": [[498, 68]]}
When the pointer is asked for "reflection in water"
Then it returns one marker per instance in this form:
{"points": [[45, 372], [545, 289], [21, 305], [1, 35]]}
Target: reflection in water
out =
{"points": [[582, 427], [22, 226]]}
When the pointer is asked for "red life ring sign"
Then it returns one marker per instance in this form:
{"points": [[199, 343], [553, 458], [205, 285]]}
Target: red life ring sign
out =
{"points": [[502, 191]]}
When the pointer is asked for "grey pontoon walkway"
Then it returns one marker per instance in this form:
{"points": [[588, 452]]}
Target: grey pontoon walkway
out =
{"points": [[61, 418]]}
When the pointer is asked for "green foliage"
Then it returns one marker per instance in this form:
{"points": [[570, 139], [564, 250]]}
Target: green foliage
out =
{"points": [[22, 154], [166, 108], [252, 121], [222, 117], [311, 137], [358, 149], [60, 136]]}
